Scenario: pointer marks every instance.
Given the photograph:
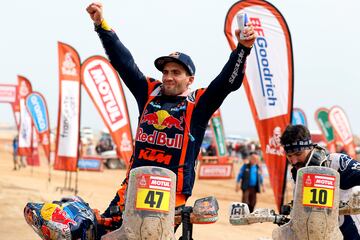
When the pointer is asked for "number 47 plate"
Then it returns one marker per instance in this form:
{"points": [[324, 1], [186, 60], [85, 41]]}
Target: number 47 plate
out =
{"points": [[153, 193]]}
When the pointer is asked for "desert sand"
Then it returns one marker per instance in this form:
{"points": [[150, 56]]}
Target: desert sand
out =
{"points": [[98, 188]]}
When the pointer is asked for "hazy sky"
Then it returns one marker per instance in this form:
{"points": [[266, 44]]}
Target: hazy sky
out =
{"points": [[325, 36]]}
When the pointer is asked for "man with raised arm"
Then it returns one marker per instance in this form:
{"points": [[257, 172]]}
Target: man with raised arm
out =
{"points": [[172, 119]]}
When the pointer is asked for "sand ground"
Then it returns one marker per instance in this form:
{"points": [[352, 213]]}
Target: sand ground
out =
{"points": [[98, 188]]}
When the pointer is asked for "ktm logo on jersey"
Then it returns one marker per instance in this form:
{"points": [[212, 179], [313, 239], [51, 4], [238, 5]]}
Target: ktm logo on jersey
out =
{"points": [[155, 155]]}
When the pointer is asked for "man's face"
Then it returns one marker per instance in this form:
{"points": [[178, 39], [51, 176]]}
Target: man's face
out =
{"points": [[254, 159], [298, 159], [175, 79]]}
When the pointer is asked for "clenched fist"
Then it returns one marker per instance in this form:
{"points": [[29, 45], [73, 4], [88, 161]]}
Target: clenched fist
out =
{"points": [[95, 11]]}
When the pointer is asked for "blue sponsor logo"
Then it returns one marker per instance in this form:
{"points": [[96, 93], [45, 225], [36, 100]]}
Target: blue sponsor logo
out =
{"points": [[37, 109], [264, 67], [89, 164]]}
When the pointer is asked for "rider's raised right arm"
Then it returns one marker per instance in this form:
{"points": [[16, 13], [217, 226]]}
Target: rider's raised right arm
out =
{"points": [[122, 60]]}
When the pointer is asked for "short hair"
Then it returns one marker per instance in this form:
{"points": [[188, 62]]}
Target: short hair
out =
{"points": [[253, 153], [295, 133]]}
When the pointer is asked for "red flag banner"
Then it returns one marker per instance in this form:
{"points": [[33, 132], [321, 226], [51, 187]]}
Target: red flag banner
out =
{"points": [[16, 107], [36, 106], [34, 158], [67, 137], [104, 87], [25, 127], [341, 125], [268, 82]]}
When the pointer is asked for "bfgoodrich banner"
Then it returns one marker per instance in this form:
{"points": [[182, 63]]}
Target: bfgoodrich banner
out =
{"points": [[268, 82]]}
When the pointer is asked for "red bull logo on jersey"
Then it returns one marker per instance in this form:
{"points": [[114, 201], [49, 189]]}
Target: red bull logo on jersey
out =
{"points": [[160, 139], [162, 119]]}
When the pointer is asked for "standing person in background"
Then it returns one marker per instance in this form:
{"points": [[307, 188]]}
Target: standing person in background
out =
{"points": [[168, 110], [15, 145], [250, 180]]}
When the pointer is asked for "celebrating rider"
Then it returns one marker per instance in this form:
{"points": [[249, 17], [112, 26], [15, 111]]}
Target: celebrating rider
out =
{"points": [[172, 118]]}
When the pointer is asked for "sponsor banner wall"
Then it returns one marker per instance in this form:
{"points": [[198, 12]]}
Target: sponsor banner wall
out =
{"points": [[103, 86], [7, 93], [341, 125], [322, 119], [67, 137], [219, 135], [298, 117], [25, 123], [268, 82], [36, 106]]}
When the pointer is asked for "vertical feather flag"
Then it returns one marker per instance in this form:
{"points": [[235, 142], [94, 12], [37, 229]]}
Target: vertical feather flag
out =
{"points": [[268, 82], [341, 125], [322, 119], [67, 137], [104, 87], [25, 124], [37, 108], [219, 136]]}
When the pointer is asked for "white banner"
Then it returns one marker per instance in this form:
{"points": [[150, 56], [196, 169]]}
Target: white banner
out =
{"points": [[25, 126], [268, 81], [69, 122]]}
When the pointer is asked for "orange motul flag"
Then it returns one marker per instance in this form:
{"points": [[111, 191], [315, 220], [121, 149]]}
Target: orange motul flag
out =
{"points": [[341, 125], [25, 123], [67, 137], [268, 82], [103, 85]]}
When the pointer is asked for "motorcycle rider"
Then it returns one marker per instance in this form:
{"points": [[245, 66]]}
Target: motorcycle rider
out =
{"points": [[301, 152], [172, 118]]}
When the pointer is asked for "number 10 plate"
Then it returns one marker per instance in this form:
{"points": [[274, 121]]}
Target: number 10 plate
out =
{"points": [[318, 190]]}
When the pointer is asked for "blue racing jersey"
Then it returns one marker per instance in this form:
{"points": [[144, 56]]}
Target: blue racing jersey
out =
{"points": [[171, 128], [349, 170]]}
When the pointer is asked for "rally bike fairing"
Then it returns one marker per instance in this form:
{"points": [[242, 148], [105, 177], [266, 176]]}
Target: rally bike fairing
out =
{"points": [[67, 219]]}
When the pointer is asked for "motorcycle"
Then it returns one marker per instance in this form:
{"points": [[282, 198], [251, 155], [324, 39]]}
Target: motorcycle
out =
{"points": [[314, 212], [149, 212]]}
